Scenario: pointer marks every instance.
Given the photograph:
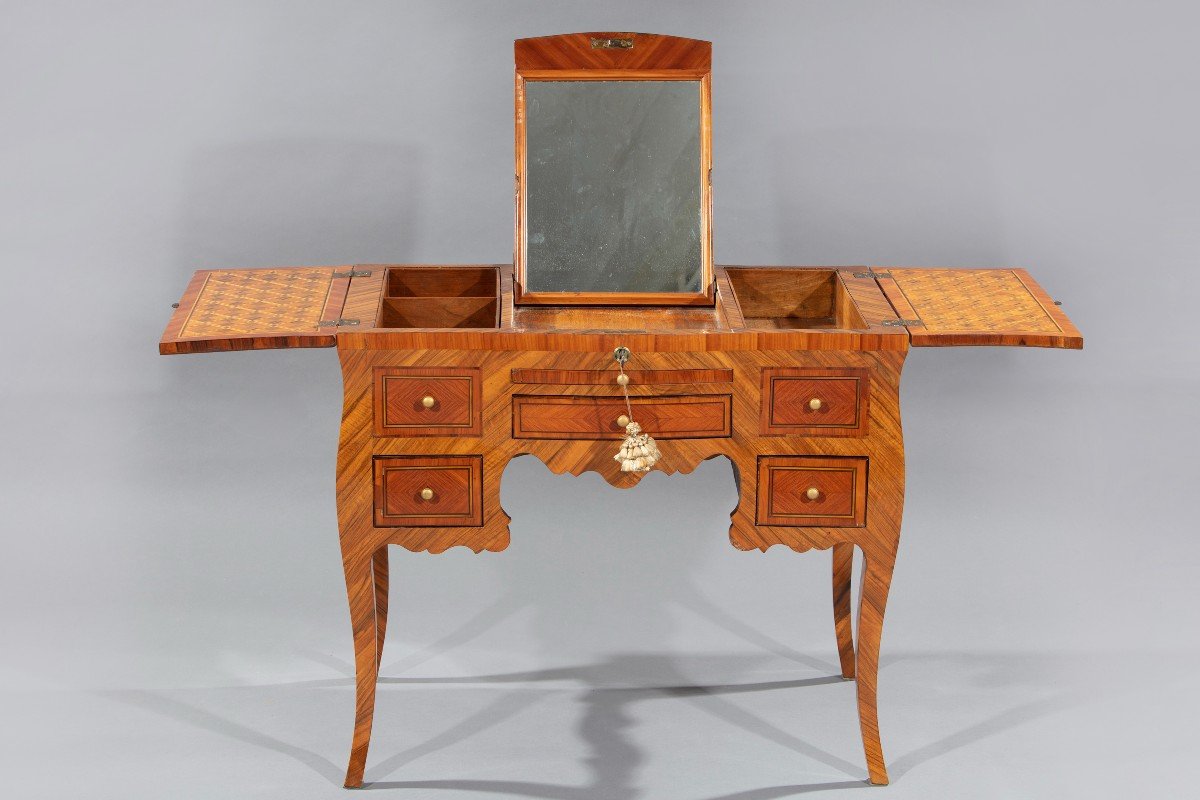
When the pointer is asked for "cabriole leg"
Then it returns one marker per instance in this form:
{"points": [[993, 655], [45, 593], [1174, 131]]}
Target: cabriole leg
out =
{"points": [[379, 564], [360, 589], [876, 580], [843, 561]]}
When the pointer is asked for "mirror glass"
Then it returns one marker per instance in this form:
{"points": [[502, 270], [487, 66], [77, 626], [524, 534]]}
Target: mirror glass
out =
{"points": [[613, 186]]}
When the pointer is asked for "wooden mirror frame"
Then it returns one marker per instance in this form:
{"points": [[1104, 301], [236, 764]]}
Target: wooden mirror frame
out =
{"points": [[609, 56]]}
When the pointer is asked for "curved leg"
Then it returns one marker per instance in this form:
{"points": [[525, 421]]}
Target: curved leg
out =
{"points": [[876, 579], [843, 561], [360, 589], [379, 564]]}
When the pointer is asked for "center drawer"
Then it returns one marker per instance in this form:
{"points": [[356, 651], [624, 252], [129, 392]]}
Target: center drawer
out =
{"points": [[540, 416]]}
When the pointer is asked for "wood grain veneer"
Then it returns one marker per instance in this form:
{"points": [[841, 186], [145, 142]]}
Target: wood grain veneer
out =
{"points": [[673, 417], [400, 410], [843, 397], [840, 485], [607, 377], [453, 483]]}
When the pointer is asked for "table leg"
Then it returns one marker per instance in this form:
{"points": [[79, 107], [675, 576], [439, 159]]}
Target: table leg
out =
{"points": [[843, 561], [873, 592], [360, 589], [380, 566]]}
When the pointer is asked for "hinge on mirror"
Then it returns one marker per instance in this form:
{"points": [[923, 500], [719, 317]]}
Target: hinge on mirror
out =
{"points": [[902, 323], [336, 323], [870, 273], [353, 273]]}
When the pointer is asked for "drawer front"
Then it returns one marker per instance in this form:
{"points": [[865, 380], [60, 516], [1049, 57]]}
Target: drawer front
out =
{"points": [[825, 491], [428, 491], [428, 401], [682, 417], [814, 402]]}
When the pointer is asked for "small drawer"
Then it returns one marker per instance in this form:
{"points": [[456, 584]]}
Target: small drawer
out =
{"points": [[539, 416], [428, 401], [814, 402], [428, 491], [824, 491]]}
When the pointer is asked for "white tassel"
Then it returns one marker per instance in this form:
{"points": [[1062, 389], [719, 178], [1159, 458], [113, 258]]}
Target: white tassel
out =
{"points": [[638, 452]]}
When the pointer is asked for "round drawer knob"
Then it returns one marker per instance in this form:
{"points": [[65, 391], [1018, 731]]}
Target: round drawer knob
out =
{"points": [[622, 379], [428, 402], [815, 404], [622, 420], [427, 493], [813, 493]]}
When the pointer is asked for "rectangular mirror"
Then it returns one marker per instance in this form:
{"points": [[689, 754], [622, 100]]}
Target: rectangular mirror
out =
{"points": [[613, 169]]}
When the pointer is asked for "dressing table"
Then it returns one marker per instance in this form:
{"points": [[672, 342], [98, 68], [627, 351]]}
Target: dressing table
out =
{"points": [[450, 371]]}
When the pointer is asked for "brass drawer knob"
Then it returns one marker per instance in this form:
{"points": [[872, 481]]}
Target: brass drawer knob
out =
{"points": [[813, 493], [622, 420], [622, 379], [427, 493], [428, 402], [815, 404]]}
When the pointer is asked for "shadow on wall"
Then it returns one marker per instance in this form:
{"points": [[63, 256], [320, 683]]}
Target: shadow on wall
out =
{"points": [[297, 202]]}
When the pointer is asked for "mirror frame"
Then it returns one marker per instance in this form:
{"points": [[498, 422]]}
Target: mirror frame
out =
{"points": [[609, 56]]}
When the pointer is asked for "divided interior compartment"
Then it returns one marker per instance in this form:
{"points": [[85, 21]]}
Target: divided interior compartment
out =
{"points": [[787, 297], [440, 297]]}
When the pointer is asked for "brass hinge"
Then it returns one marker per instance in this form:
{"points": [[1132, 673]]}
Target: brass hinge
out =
{"points": [[336, 323], [902, 323], [870, 273], [354, 273]]}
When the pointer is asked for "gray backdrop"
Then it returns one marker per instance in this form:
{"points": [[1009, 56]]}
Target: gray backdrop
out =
{"points": [[172, 614]]}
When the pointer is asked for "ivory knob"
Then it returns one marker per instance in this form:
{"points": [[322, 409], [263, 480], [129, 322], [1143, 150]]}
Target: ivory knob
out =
{"points": [[813, 493], [427, 493], [622, 420], [622, 379], [815, 404], [428, 402]]}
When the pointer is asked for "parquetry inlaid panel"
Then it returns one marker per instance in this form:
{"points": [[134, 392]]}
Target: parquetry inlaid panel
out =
{"points": [[247, 302], [973, 300]]}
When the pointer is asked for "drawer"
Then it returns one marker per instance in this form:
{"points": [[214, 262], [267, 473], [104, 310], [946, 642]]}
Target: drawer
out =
{"points": [[826, 491], [428, 491], [428, 401], [705, 416], [814, 402]]}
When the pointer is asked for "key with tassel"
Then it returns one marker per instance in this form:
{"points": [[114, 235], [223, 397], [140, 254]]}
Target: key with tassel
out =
{"points": [[638, 452]]}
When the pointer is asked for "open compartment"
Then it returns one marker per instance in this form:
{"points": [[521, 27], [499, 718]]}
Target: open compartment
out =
{"points": [[442, 282], [440, 297], [792, 298]]}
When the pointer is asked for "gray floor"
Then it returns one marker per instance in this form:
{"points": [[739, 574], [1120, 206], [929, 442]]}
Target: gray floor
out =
{"points": [[750, 725]]}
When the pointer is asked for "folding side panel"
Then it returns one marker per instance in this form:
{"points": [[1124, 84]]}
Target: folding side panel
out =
{"points": [[258, 309], [948, 307]]}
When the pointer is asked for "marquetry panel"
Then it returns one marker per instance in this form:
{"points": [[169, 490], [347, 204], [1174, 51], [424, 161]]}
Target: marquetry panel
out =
{"points": [[839, 486], [682, 417], [423, 401], [977, 306], [842, 397], [256, 309], [425, 491]]}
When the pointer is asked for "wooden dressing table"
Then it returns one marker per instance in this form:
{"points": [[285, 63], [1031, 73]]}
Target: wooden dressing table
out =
{"points": [[450, 371]]}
